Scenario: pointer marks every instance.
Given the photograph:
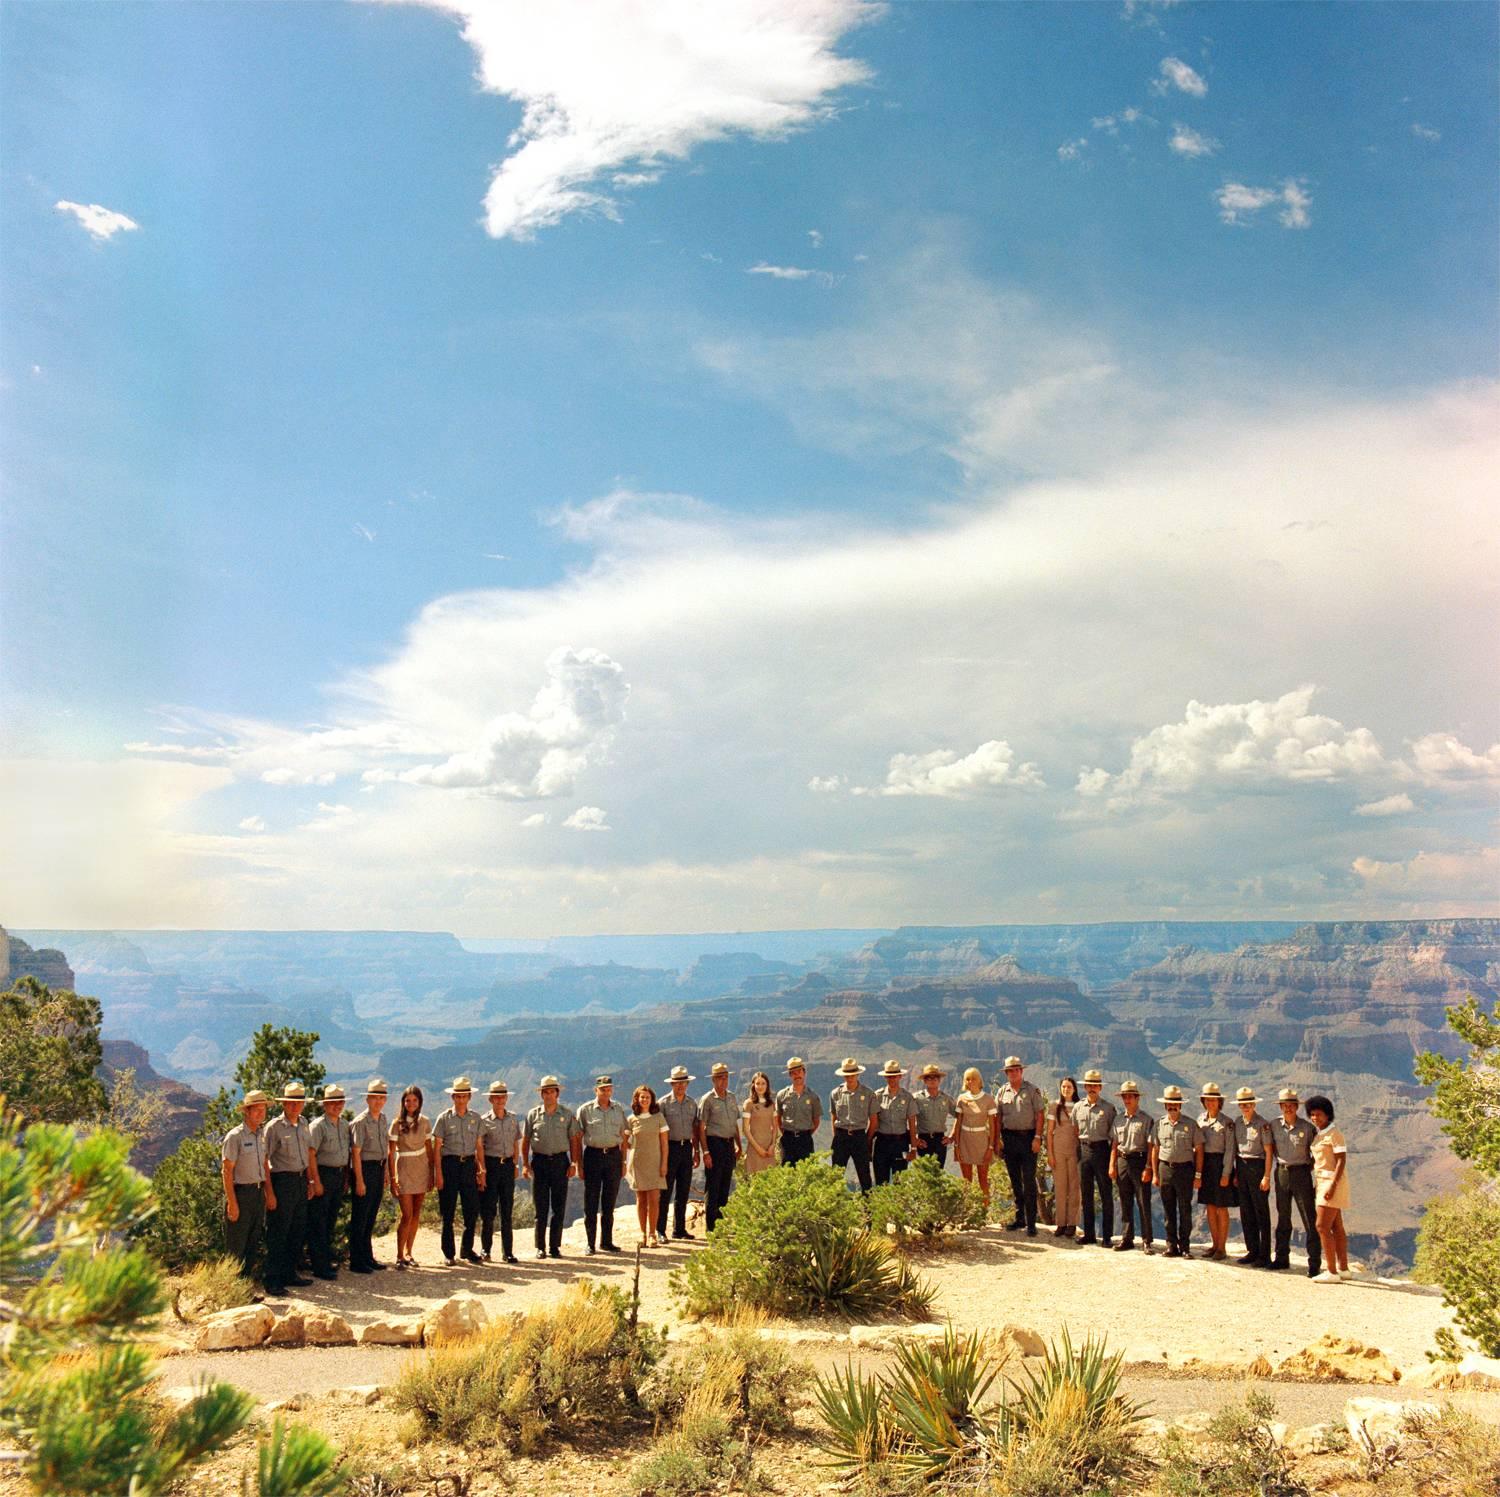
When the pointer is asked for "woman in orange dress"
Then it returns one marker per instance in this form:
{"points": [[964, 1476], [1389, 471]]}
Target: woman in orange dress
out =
{"points": [[974, 1132]]}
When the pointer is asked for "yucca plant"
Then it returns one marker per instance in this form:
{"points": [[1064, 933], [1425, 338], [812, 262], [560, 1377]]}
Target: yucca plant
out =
{"points": [[936, 1396], [295, 1461], [855, 1273], [857, 1432], [1089, 1369]]}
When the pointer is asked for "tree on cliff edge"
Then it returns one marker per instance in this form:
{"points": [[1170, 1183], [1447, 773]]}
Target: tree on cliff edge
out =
{"points": [[49, 1052]]}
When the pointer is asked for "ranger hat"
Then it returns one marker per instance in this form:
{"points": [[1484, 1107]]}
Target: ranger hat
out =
{"points": [[293, 1091], [462, 1087], [718, 1068], [893, 1067], [255, 1099], [932, 1068], [1130, 1089], [547, 1081], [1096, 1077], [1210, 1089], [680, 1073], [851, 1067], [499, 1089], [1012, 1060], [1246, 1094], [1288, 1094], [1171, 1094], [604, 1080], [333, 1093], [376, 1088], [796, 1063]]}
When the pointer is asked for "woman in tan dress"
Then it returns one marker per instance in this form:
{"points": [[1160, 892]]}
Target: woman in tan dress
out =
{"points": [[1062, 1155], [1331, 1185], [974, 1132], [762, 1125], [646, 1133], [411, 1169]]}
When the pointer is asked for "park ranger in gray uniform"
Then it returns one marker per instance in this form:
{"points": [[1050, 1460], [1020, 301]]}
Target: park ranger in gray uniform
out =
{"points": [[244, 1173], [371, 1164], [500, 1143], [332, 1144], [292, 1173], [602, 1125], [800, 1111], [683, 1153], [1130, 1167], [851, 1107], [1177, 1167], [719, 1130], [549, 1158], [1292, 1137], [895, 1125], [459, 1167], [1095, 1119], [935, 1111], [1021, 1113], [1255, 1155]]}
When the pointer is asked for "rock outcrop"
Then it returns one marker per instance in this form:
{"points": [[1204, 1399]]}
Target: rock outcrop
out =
{"points": [[236, 1329], [182, 1107], [19, 959]]}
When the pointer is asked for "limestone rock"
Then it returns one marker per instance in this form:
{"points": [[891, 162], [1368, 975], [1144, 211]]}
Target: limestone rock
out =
{"points": [[1260, 1367], [324, 1328], [797, 1335], [287, 1330], [232, 1330], [923, 1330], [1021, 1341], [394, 1332], [1309, 1440], [282, 1405], [1379, 1420], [1337, 1358], [456, 1319], [873, 1337], [1479, 1373]]}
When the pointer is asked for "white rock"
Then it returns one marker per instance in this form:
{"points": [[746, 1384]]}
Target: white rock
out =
{"points": [[1309, 1440], [403, 1332], [922, 1330], [1379, 1419], [1021, 1340], [456, 1319], [798, 1336], [1479, 1373], [232, 1330], [324, 1328], [873, 1337], [288, 1330]]}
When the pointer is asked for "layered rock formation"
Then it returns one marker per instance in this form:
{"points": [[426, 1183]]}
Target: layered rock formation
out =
{"points": [[182, 1107], [18, 959]]}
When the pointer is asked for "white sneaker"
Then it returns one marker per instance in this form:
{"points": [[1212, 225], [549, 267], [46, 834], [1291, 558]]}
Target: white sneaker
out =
{"points": [[1347, 1273], [1327, 1278]]}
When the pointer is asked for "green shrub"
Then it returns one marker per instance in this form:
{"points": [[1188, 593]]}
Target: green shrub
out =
{"points": [[1448, 1454], [936, 1397], [1239, 1456], [767, 1382], [214, 1284], [709, 1450], [577, 1363], [1458, 1248], [923, 1201], [856, 1274]]}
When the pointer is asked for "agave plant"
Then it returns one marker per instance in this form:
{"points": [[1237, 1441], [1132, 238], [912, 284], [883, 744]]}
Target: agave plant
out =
{"points": [[936, 1396], [857, 1433], [1089, 1371]]}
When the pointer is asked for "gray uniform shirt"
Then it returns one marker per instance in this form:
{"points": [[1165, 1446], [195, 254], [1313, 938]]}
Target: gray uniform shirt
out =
{"points": [[332, 1141], [1020, 1106], [1095, 1120], [549, 1132], [933, 1112], [852, 1109], [894, 1110], [456, 1134], [681, 1118], [287, 1148], [602, 1127], [799, 1114], [1293, 1144], [721, 1115], [1175, 1142], [1132, 1135], [1216, 1133], [246, 1151], [1252, 1139], [371, 1136], [500, 1135]]}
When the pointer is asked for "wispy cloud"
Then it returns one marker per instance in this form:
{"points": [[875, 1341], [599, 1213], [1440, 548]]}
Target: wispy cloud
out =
{"points": [[791, 273], [363, 532], [1389, 805], [947, 775], [1071, 150], [1188, 142], [1175, 73], [99, 223], [620, 90], [815, 236], [588, 819], [1425, 132], [253, 824], [1242, 204]]}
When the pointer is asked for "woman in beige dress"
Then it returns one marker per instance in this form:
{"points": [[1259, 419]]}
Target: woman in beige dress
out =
{"points": [[646, 1159], [411, 1169], [1062, 1155], [1331, 1185], [974, 1132], [762, 1125]]}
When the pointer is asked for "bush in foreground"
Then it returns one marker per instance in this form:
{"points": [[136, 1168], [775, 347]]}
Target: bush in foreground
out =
{"points": [[1239, 1456], [924, 1201], [1458, 1249]]}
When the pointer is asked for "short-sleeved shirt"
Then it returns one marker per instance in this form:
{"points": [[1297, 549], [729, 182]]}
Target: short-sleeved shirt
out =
{"points": [[332, 1141], [245, 1149], [370, 1132], [894, 1110], [1132, 1135], [456, 1133], [414, 1139], [852, 1109], [682, 1118], [500, 1135], [1020, 1106], [799, 1114], [602, 1127], [1294, 1143], [933, 1111], [1176, 1142], [720, 1115], [288, 1147], [1216, 1133], [550, 1132], [1253, 1138], [1095, 1120]]}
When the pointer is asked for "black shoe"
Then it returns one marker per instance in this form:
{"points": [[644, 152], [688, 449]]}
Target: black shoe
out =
{"points": [[1014, 1226], [329, 1274], [511, 1258], [297, 1281], [682, 1237], [484, 1257], [1171, 1253], [1124, 1245], [590, 1251], [1314, 1269], [373, 1267], [1089, 1241], [276, 1291], [1149, 1249], [451, 1262], [554, 1253], [360, 1268], [1278, 1263], [1031, 1231], [474, 1258], [541, 1255], [1108, 1242], [609, 1247]]}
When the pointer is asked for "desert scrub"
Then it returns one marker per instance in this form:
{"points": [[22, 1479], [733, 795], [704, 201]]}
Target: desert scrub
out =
{"points": [[1447, 1454], [1239, 1456], [765, 1382], [923, 1201], [521, 1382], [214, 1284], [709, 1449]]}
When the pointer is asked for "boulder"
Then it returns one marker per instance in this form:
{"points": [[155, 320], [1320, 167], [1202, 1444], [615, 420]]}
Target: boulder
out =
{"points": [[232, 1330], [1021, 1341], [1335, 1358], [456, 1319], [282, 1405], [403, 1332], [1379, 1421], [287, 1330], [324, 1328], [1482, 1374], [923, 1330], [1312, 1439]]}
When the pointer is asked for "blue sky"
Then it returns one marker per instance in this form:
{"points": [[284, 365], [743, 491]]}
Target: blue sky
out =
{"points": [[558, 506]]}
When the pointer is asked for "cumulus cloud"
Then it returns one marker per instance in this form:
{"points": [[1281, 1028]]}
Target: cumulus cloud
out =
{"points": [[946, 774], [1460, 881], [1388, 805], [1241, 204], [1071, 150], [537, 818], [791, 273], [620, 88], [587, 819], [1186, 141], [253, 824], [99, 223], [1175, 73], [1440, 756]]}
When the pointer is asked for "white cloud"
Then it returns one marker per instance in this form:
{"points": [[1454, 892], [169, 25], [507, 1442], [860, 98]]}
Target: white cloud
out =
{"points": [[1071, 150], [1425, 132], [1389, 805], [100, 224], [588, 819], [285, 775], [330, 818], [815, 236], [1175, 73], [1440, 756], [826, 784], [1241, 204], [622, 87], [537, 818], [791, 273], [944, 773], [253, 824], [1188, 142], [1461, 882], [364, 532]]}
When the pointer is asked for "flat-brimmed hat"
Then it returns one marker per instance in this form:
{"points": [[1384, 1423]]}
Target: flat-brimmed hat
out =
{"points": [[1095, 1078], [1288, 1094], [1210, 1089], [893, 1068], [718, 1068], [1130, 1089], [293, 1091], [547, 1081], [255, 1099], [604, 1080], [1012, 1060], [932, 1068], [334, 1093], [796, 1063], [499, 1089], [1170, 1094], [462, 1086], [1246, 1094], [680, 1073], [376, 1087], [851, 1067]]}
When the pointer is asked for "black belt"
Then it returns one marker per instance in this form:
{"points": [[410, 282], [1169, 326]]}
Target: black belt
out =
{"points": [[1020, 1130], [1134, 1153], [301, 1172], [798, 1132], [555, 1154], [501, 1158], [840, 1128], [603, 1148], [457, 1158], [1280, 1165]]}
